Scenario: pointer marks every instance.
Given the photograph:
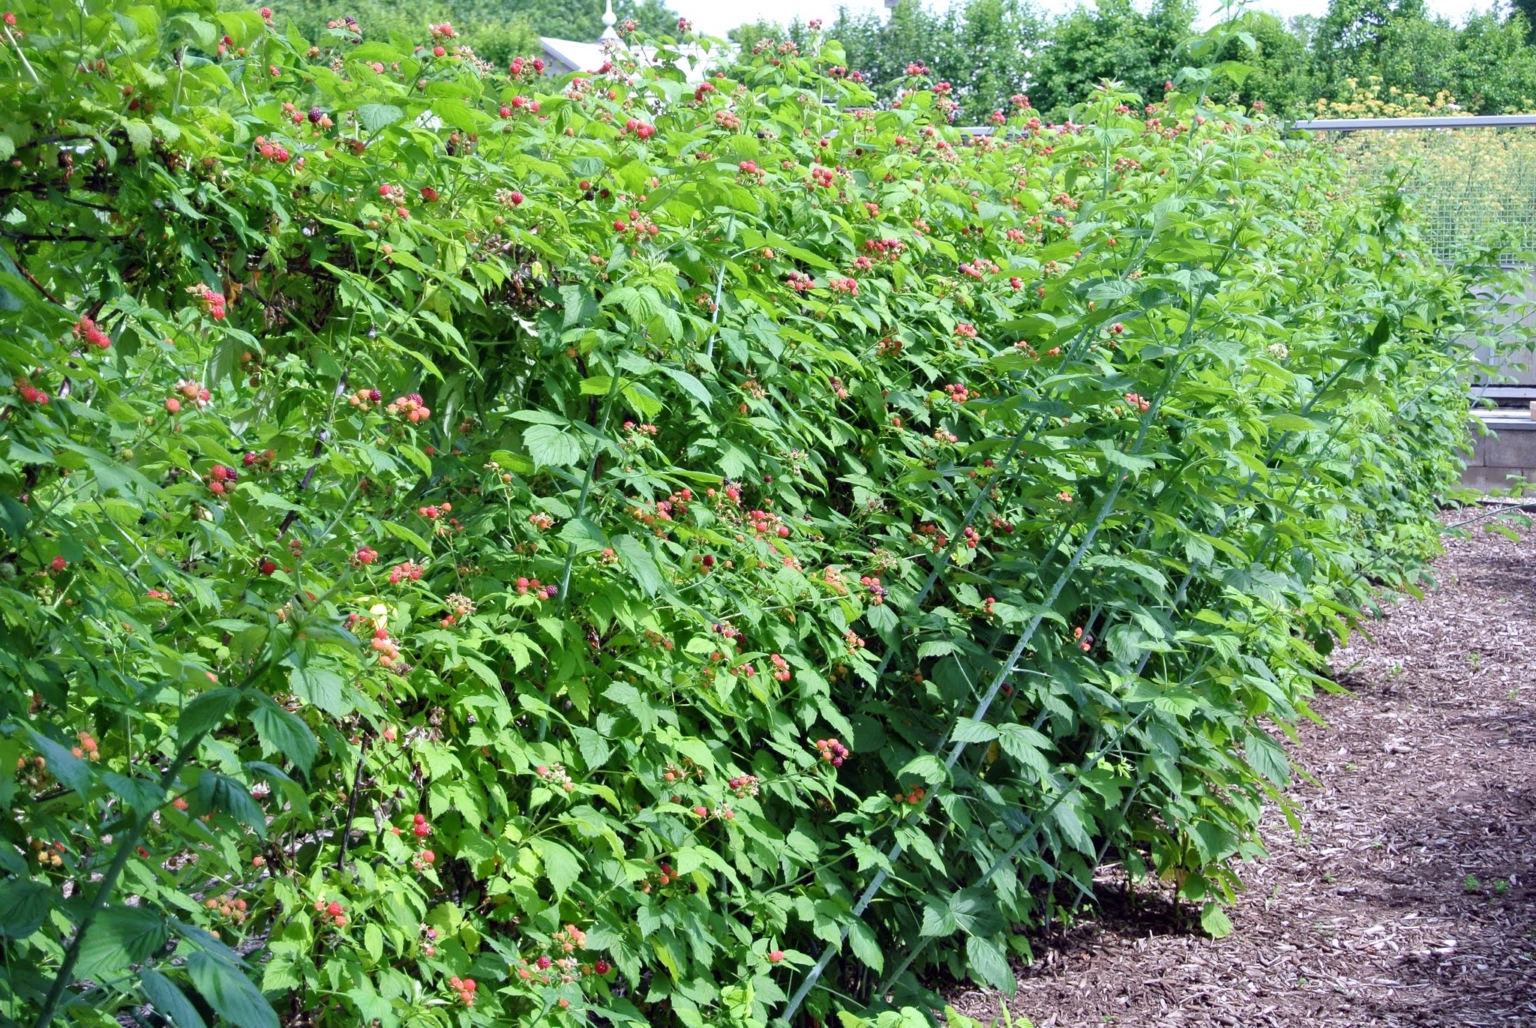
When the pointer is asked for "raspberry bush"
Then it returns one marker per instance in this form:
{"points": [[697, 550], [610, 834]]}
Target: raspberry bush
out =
{"points": [[480, 549]]}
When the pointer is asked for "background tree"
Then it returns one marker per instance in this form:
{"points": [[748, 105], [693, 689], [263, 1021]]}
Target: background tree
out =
{"points": [[1283, 75], [1113, 40]]}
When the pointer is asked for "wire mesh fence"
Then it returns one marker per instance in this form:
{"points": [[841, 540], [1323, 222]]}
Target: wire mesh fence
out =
{"points": [[1473, 179]]}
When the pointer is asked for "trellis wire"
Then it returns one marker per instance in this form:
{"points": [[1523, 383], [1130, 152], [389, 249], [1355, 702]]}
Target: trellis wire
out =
{"points": [[1030, 430], [1115, 744], [1105, 508]]}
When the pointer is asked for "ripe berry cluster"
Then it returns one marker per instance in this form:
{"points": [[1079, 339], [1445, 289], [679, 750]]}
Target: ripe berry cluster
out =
{"points": [[189, 390], [221, 479], [86, 330], [464, 988], [744, 785], [88, 747], [543, 592], [271, 151], [411, 406], [213, 302], [30, 393], [639, 128], [333, 912], [832, 751], [408, 571], [520, 65]]}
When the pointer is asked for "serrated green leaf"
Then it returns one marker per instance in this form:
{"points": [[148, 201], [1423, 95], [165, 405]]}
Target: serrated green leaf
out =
{"points": [[551, 446], [230, 993], [169, 1001], [638, 561]]}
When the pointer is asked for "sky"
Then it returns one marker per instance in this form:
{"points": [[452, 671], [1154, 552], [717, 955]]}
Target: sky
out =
{"points": [[716, 17]]}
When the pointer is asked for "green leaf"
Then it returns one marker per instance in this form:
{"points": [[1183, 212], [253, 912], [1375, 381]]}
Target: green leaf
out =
{"points": [[926, 767], [1267, 757], [989, 962], [140, 136], [69, 769], [375, 51], [141, 794], [376, 116], [206, 712], [282, 732], [1071, 826], [1215, 921], [24, 906], [561, 866], [121, 935], [1024, 745], [373, 942], [168, 1000], [457, 113], [1295, 423], [230, 993], [216, 792], [861, 937], [692, 386], [551, 446], [399, 531], [321, 687], [639, 562], [967, 730]]}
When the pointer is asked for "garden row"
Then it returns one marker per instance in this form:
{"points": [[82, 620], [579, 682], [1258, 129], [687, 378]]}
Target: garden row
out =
{"points": [[480, 548]]}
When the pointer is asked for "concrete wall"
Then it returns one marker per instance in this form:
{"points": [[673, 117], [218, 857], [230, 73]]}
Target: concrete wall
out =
{"points": [[1512, 451]]}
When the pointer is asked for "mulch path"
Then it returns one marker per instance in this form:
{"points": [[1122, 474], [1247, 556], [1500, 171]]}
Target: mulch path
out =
{"points": [[1410, 896]]}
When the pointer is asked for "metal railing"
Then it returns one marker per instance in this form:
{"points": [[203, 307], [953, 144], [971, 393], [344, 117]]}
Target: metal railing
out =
{"points": [[1473, 179]]}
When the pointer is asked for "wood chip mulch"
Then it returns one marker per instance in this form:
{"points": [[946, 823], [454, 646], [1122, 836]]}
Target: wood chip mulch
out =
{"points": [[1410, 896]]}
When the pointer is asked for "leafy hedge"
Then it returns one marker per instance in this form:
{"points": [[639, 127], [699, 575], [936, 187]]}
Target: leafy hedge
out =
{"points": [[480, 549]]}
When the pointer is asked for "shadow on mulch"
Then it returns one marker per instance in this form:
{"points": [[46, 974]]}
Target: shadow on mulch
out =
{"points": [[1410, 897]]}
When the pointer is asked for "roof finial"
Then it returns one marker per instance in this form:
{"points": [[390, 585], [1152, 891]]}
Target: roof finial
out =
{"points": [[609, 20]]}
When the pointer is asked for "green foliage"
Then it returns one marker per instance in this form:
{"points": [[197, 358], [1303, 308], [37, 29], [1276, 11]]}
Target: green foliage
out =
{"points": [[1282, 75], [466, 568], [1113, 41]]}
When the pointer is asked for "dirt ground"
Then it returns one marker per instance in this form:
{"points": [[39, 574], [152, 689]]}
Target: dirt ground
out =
{"points": [[1410, 897]]}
